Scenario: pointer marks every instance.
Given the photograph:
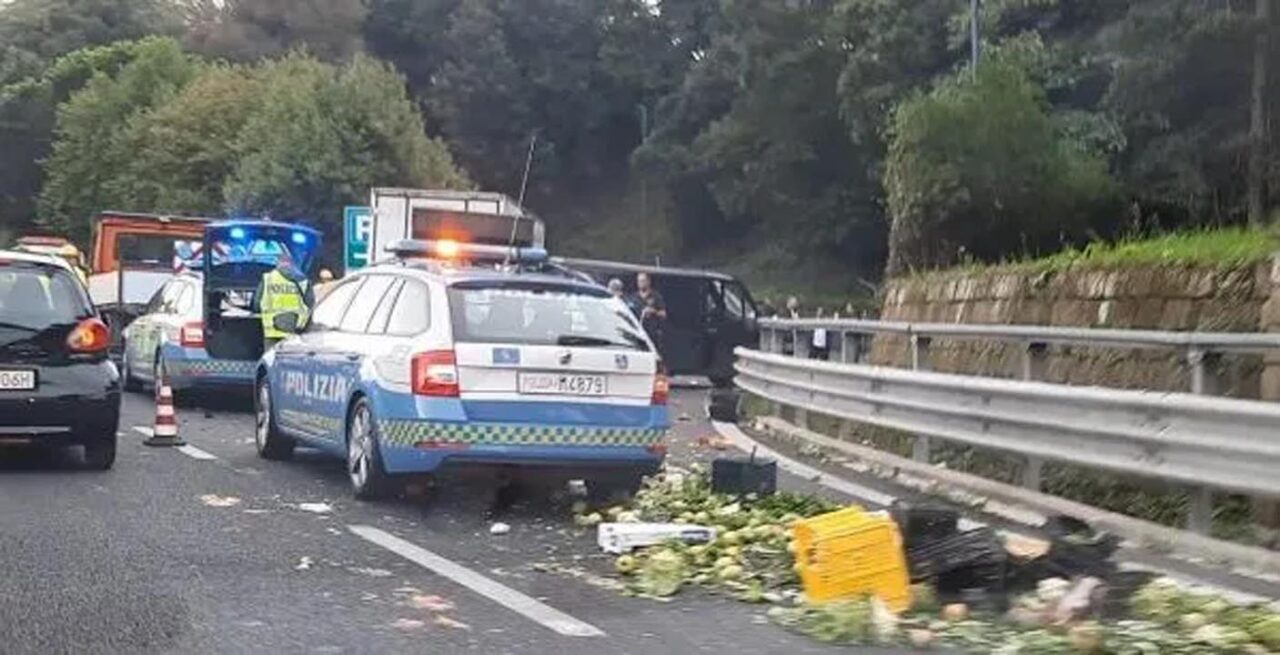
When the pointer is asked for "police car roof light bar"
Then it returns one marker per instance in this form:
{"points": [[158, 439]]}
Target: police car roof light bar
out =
{"points": [[453, 250]]}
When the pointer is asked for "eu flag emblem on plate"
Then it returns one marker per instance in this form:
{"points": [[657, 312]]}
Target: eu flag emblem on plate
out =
{"points": [[506, 355]]}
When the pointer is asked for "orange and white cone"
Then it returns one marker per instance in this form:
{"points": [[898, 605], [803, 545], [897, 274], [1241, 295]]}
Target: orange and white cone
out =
{"points": [[165, 430]]}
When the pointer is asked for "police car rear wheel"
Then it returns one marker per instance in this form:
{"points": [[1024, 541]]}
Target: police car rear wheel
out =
{"points": [[364, 462], [266, 436]]}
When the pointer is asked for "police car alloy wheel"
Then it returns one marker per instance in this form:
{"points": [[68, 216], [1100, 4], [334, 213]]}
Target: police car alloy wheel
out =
{"points": [[266, 436], [364, 465]]}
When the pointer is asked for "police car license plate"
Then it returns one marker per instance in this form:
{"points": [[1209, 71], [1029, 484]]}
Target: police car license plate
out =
{"points": [[17, 380], [563, 383]]}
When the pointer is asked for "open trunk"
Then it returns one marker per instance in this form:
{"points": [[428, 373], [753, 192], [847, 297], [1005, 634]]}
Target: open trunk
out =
{"points": [[230, 331], [236, 256]]}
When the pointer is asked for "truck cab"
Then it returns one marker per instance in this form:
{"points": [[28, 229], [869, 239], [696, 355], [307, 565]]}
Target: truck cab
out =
{"points": [[133, 256]]}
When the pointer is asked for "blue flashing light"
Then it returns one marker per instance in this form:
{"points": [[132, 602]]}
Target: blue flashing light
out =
{"points": [[299, 238], [237, 233]]}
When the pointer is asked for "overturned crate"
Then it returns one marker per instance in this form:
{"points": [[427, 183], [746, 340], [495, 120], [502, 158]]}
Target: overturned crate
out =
{"points": [[850, 553]]}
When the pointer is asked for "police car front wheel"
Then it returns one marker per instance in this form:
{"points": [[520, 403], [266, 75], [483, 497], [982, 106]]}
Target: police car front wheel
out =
{"points": [[266, 436], [364, 461]]}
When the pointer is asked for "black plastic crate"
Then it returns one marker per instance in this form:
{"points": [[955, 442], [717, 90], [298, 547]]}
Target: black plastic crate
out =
{"points": [[744, 475], [923, 523], [978, 550]]}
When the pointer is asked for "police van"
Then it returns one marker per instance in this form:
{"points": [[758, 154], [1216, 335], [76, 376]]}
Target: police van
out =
{"points": [[462, 354]]}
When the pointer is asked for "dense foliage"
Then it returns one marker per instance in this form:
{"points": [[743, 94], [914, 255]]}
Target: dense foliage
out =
{"points": [[291, 138], [814, 127]]}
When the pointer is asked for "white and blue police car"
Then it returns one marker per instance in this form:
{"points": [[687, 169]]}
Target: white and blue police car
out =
{"points": [[457, 354]]}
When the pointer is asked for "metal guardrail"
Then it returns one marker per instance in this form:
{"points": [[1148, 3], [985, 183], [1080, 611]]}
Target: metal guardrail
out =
{"points": [[1204, 442], [853, 341]]}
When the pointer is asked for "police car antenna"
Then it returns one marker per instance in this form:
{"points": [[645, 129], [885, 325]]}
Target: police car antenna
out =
{"points": [[524, 184]]}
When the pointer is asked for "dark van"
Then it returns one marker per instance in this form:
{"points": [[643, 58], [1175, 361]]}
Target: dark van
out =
{"points": [[708, 314]]}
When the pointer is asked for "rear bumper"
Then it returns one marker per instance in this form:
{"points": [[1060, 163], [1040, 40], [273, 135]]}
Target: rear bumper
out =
{"points": [[74, 404], [425, 446], [193, 368]]}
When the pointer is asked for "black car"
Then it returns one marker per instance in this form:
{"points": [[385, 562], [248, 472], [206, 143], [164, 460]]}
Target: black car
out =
{"points": [[708, 314], [57, 385]]}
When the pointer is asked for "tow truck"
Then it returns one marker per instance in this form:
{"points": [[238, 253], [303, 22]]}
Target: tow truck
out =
{"points": [[134, 255]]}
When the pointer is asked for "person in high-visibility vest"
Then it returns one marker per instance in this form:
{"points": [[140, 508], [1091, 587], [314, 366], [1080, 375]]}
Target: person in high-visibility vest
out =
{"points": [[283, 289]]}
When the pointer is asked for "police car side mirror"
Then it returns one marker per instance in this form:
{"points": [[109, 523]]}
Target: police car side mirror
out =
{"points": [[286, 322]]}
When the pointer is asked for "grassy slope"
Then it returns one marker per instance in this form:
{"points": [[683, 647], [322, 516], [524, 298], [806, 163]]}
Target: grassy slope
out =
{"points": [[1227, 247]]}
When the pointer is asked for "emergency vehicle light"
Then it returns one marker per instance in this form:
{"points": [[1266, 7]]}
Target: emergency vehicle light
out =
{"points": [[452, 250]]}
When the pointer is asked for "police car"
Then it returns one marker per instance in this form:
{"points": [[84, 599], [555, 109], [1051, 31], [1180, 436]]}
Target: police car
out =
{"points": [[168, 340], [418, 364], [201, 330]]}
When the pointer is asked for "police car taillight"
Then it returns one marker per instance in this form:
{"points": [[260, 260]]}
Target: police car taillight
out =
{"points": [[661, 389], [435, 373], [192, 335]]}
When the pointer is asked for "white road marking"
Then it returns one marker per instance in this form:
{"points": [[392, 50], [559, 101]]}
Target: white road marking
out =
{"points": [[487, 587], [743, 442], [188, 450], [196, 453]]}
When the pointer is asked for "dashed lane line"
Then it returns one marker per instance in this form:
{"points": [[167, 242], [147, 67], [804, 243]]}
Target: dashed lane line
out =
{"points": [[188, 449], [489, 588]]}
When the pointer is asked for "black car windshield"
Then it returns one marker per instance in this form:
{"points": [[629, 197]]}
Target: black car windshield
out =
{"points": [[36, 297], [542, 314]]}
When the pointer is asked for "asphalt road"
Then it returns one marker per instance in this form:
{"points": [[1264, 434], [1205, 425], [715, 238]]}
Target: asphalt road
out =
{"points": [[216, 550]]}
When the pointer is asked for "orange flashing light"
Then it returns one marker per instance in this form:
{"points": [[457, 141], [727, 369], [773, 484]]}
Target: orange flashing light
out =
{"points": [[447, 249]]}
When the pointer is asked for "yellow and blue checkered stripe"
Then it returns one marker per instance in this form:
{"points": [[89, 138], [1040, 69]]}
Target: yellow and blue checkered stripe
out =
{"points": [[206, 367], [311, 422], [410, 433]]}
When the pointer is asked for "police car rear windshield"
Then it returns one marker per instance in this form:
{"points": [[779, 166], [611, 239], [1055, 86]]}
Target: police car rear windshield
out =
{"points": [[542, 314]]}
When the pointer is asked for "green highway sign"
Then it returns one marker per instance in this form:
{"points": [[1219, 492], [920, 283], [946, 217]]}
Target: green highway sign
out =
{"points": [[357, 225]]}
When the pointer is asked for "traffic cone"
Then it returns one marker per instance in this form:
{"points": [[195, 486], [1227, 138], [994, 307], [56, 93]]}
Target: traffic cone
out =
{"points": [[165, 430]]}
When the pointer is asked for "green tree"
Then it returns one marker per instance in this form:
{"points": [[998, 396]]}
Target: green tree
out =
{"points": [[249, 30], [978, 168], [320, 136], [183, 151], [91, 146], [1181, 91], [481, 98], [33, 33]]}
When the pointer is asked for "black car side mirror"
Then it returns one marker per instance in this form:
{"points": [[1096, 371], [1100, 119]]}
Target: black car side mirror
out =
{"points": [[286, 322]]}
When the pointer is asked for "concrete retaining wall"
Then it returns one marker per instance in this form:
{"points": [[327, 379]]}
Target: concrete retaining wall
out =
{"points": [[1225, 299]]}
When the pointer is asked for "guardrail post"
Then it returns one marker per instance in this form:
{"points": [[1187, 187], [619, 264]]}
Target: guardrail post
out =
{"points": [[920, 353], [801, 343], [920, 448], [1200, 514], [1203, 382], [1035, 361]]}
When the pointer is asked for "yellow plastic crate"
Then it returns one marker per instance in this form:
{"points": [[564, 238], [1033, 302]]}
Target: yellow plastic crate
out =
{"points": [[850, 553]]}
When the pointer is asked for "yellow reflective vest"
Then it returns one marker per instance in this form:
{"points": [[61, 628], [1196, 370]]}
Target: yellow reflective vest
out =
{"points": [[280, 295]]}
